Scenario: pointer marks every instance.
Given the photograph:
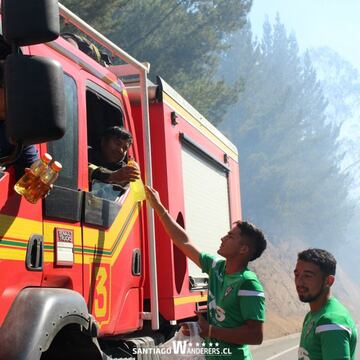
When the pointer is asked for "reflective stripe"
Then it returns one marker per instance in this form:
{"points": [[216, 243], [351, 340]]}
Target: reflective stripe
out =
{"points": [[250, 293], [331, 327]]}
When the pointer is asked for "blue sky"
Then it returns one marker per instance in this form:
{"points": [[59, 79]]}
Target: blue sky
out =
{"points": [[333, 23]]}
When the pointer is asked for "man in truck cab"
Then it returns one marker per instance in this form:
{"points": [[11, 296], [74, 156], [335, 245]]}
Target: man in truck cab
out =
{"points": [[236, 303], [109, 173]]}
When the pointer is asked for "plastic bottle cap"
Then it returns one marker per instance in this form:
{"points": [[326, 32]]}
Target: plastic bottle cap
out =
{"points": [[56, 166], [46, 158]]}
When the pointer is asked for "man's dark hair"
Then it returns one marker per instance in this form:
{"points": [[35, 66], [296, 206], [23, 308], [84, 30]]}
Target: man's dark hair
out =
{"points": [[117, 132], [254, 238], [321, 258]]}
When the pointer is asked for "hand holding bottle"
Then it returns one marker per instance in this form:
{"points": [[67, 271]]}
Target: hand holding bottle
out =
{"points": [[32, 175], [122, 176], [38, 179]]}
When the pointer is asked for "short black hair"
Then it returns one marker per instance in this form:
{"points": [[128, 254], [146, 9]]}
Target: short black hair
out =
{"points": [[321, 258], [117, 132], [254, 236]]}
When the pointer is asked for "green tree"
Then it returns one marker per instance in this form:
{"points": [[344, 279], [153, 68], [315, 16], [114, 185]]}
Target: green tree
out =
{"points": [[99, 14], [341, 84], [182, 39], [290, 178]]}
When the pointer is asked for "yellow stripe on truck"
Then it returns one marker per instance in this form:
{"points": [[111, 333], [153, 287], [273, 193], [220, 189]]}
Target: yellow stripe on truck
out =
{"points": [[18, 228], [190, 299], [15, 233]]}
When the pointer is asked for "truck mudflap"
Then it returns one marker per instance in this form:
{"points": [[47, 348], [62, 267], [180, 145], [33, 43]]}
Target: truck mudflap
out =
{"points": [[36, 317]]}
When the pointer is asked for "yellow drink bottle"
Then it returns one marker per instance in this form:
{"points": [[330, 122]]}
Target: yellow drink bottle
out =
{"points": [[47, 178], [32, 177], [137, 186]]}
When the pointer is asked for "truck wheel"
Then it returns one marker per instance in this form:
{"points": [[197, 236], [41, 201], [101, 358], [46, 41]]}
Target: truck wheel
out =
{"points": [[72, 344]]}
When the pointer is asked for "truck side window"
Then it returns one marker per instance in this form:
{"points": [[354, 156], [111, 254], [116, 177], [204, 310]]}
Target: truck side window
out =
{"points": [[103, 111], [65, 149]]}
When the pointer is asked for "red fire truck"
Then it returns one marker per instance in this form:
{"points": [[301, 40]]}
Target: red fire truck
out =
{"points": [[81, 276]]}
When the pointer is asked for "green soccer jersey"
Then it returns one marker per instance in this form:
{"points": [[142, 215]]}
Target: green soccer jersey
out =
{"points": [[232, 299], [328, 334]]}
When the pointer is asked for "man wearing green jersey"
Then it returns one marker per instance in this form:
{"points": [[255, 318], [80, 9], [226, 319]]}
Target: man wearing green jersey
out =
{"points": [[236, 303], [328, 332]]}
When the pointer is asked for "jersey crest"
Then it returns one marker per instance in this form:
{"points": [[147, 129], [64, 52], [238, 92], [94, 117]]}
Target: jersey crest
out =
{"points": [[228, 290]]}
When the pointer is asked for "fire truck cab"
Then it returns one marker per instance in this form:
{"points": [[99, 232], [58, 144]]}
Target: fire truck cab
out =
{"points": [[84, 275]]}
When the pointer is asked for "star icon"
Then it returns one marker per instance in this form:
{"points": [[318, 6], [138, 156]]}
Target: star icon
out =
{"points": [[190, 344], [217, 344], [203, 344], [197, 344], [210, 344]]}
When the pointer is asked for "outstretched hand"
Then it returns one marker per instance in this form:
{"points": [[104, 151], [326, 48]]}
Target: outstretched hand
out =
{"points": [[127, 173], [185, 329], [203, 324], [152, 196]]}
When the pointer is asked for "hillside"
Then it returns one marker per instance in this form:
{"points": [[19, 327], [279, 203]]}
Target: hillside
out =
{"points": [[284, 312]]}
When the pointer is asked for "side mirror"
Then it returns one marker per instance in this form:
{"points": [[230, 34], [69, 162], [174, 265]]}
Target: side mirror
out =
{"points": [[35, 99], [28, 22]]}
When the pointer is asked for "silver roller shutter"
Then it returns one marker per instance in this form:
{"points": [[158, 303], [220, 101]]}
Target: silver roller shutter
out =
{"points": [[207, 215]]}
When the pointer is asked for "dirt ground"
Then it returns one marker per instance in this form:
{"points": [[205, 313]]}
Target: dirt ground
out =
{"points": [[277, 326]]}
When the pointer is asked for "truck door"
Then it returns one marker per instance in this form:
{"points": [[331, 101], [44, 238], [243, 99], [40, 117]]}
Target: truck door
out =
{"points": [[26, 242], [21, 242], [62, 208], [29, 233], [112, 228]]}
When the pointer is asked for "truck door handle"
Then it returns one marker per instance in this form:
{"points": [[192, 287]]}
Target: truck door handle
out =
{"points": [[136, 262], [35, 253]]}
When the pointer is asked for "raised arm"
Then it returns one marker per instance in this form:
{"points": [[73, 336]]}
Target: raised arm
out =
{"points": [[174, 230]]}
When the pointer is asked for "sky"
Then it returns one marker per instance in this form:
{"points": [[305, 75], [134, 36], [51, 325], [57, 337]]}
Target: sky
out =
{"points": [[333, 23]]}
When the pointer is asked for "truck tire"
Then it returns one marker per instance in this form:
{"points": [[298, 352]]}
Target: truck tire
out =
{"points": [[41, 319]]}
